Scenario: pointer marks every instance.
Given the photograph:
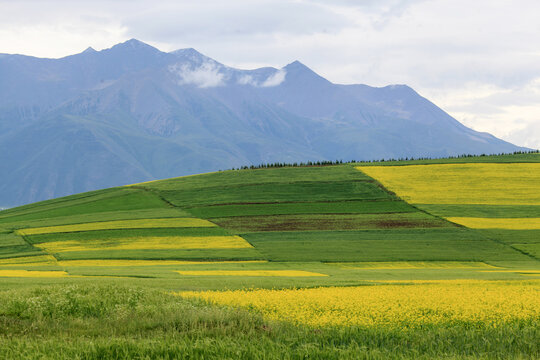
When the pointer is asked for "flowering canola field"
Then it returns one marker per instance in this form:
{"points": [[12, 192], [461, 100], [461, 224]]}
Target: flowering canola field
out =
{"points": [[487, 184], [166, 242], [32, 274], [122, 263], [395, 265], [39, 260], [285, 273], [482, 303], [497, 223]]}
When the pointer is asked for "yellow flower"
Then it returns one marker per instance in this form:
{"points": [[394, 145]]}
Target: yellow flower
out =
{"points": [[75, 263], [498, 223], [488, 184], [148, 243], [393, 306], [287, 273], [37, 274]]}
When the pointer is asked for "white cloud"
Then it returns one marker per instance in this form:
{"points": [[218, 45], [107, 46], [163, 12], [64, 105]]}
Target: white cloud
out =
{"points": [[512, 114], [275, 79], [247, 80], [529, 136], [204, 76]]}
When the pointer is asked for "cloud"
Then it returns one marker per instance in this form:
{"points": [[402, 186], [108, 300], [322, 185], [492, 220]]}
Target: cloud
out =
{"points": [[174, 20], [529, 136], [247, 80], [204, 76], [275, 79], [512, 114]]}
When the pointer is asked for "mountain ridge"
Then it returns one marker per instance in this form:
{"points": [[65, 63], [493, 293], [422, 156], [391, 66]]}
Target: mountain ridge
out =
{"points": [[133, 113]]}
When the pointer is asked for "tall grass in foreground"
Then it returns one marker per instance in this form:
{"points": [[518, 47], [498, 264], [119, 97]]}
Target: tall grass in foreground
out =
{"points": [[118, 322]]}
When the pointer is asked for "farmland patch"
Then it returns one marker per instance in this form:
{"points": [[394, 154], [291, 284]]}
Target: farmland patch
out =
{"points": [[32, 274], [119, 224], [163, 242], [163, 254], [446, 303], [283, 273], [397, 265], [111, 235], [329, 207], [330, 222], [487, 184], [130, 263], [498, 223], [38, 260], [307, 191], [436, 244]]}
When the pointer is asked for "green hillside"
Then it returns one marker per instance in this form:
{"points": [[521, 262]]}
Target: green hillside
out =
{"points": [[298, 218], [101, 268]]}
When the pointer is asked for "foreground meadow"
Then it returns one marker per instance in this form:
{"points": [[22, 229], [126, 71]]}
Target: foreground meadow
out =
{"points": [[123, 320]]}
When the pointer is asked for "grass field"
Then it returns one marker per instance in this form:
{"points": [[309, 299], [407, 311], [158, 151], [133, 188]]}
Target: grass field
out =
{"points": [[403, 260], [118, 224]]}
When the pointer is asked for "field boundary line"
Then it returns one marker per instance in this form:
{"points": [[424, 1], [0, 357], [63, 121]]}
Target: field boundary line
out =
{"points": [[381, 185], [45, 252], [155, 193], [509, 245]]}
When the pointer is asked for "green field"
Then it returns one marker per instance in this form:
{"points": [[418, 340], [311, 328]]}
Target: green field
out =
{"points": [[120, 255]]}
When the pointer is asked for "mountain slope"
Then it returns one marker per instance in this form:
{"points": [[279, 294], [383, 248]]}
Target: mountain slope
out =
{"points": [[132, 113]]}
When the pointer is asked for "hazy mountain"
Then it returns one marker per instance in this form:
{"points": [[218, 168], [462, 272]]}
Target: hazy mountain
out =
{"points": [[133, 113]]}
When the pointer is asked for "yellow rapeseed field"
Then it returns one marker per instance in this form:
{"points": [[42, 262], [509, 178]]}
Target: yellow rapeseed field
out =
{"points": [[488, 184], [39, 260], [148, 243], [113, 263], [396, 265], [497, 223], [285, 273], [513, 270], [32, 274], [486, 303], [119, 224]]}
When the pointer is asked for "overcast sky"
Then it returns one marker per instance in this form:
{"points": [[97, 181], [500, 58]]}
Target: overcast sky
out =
{"points": [[478, 60]]}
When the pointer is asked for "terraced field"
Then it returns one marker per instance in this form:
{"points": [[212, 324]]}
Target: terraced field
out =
{"points": [[467, 228], [501, 199]]}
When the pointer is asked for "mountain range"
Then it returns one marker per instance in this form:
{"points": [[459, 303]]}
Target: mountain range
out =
{"points": [[133, 113]]}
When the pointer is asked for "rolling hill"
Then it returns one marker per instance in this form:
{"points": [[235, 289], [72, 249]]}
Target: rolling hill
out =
{"points": [[132, 113], [459, 215]]}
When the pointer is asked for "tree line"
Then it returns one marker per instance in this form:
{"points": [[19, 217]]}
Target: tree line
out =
{"points": [[339, 162]]}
